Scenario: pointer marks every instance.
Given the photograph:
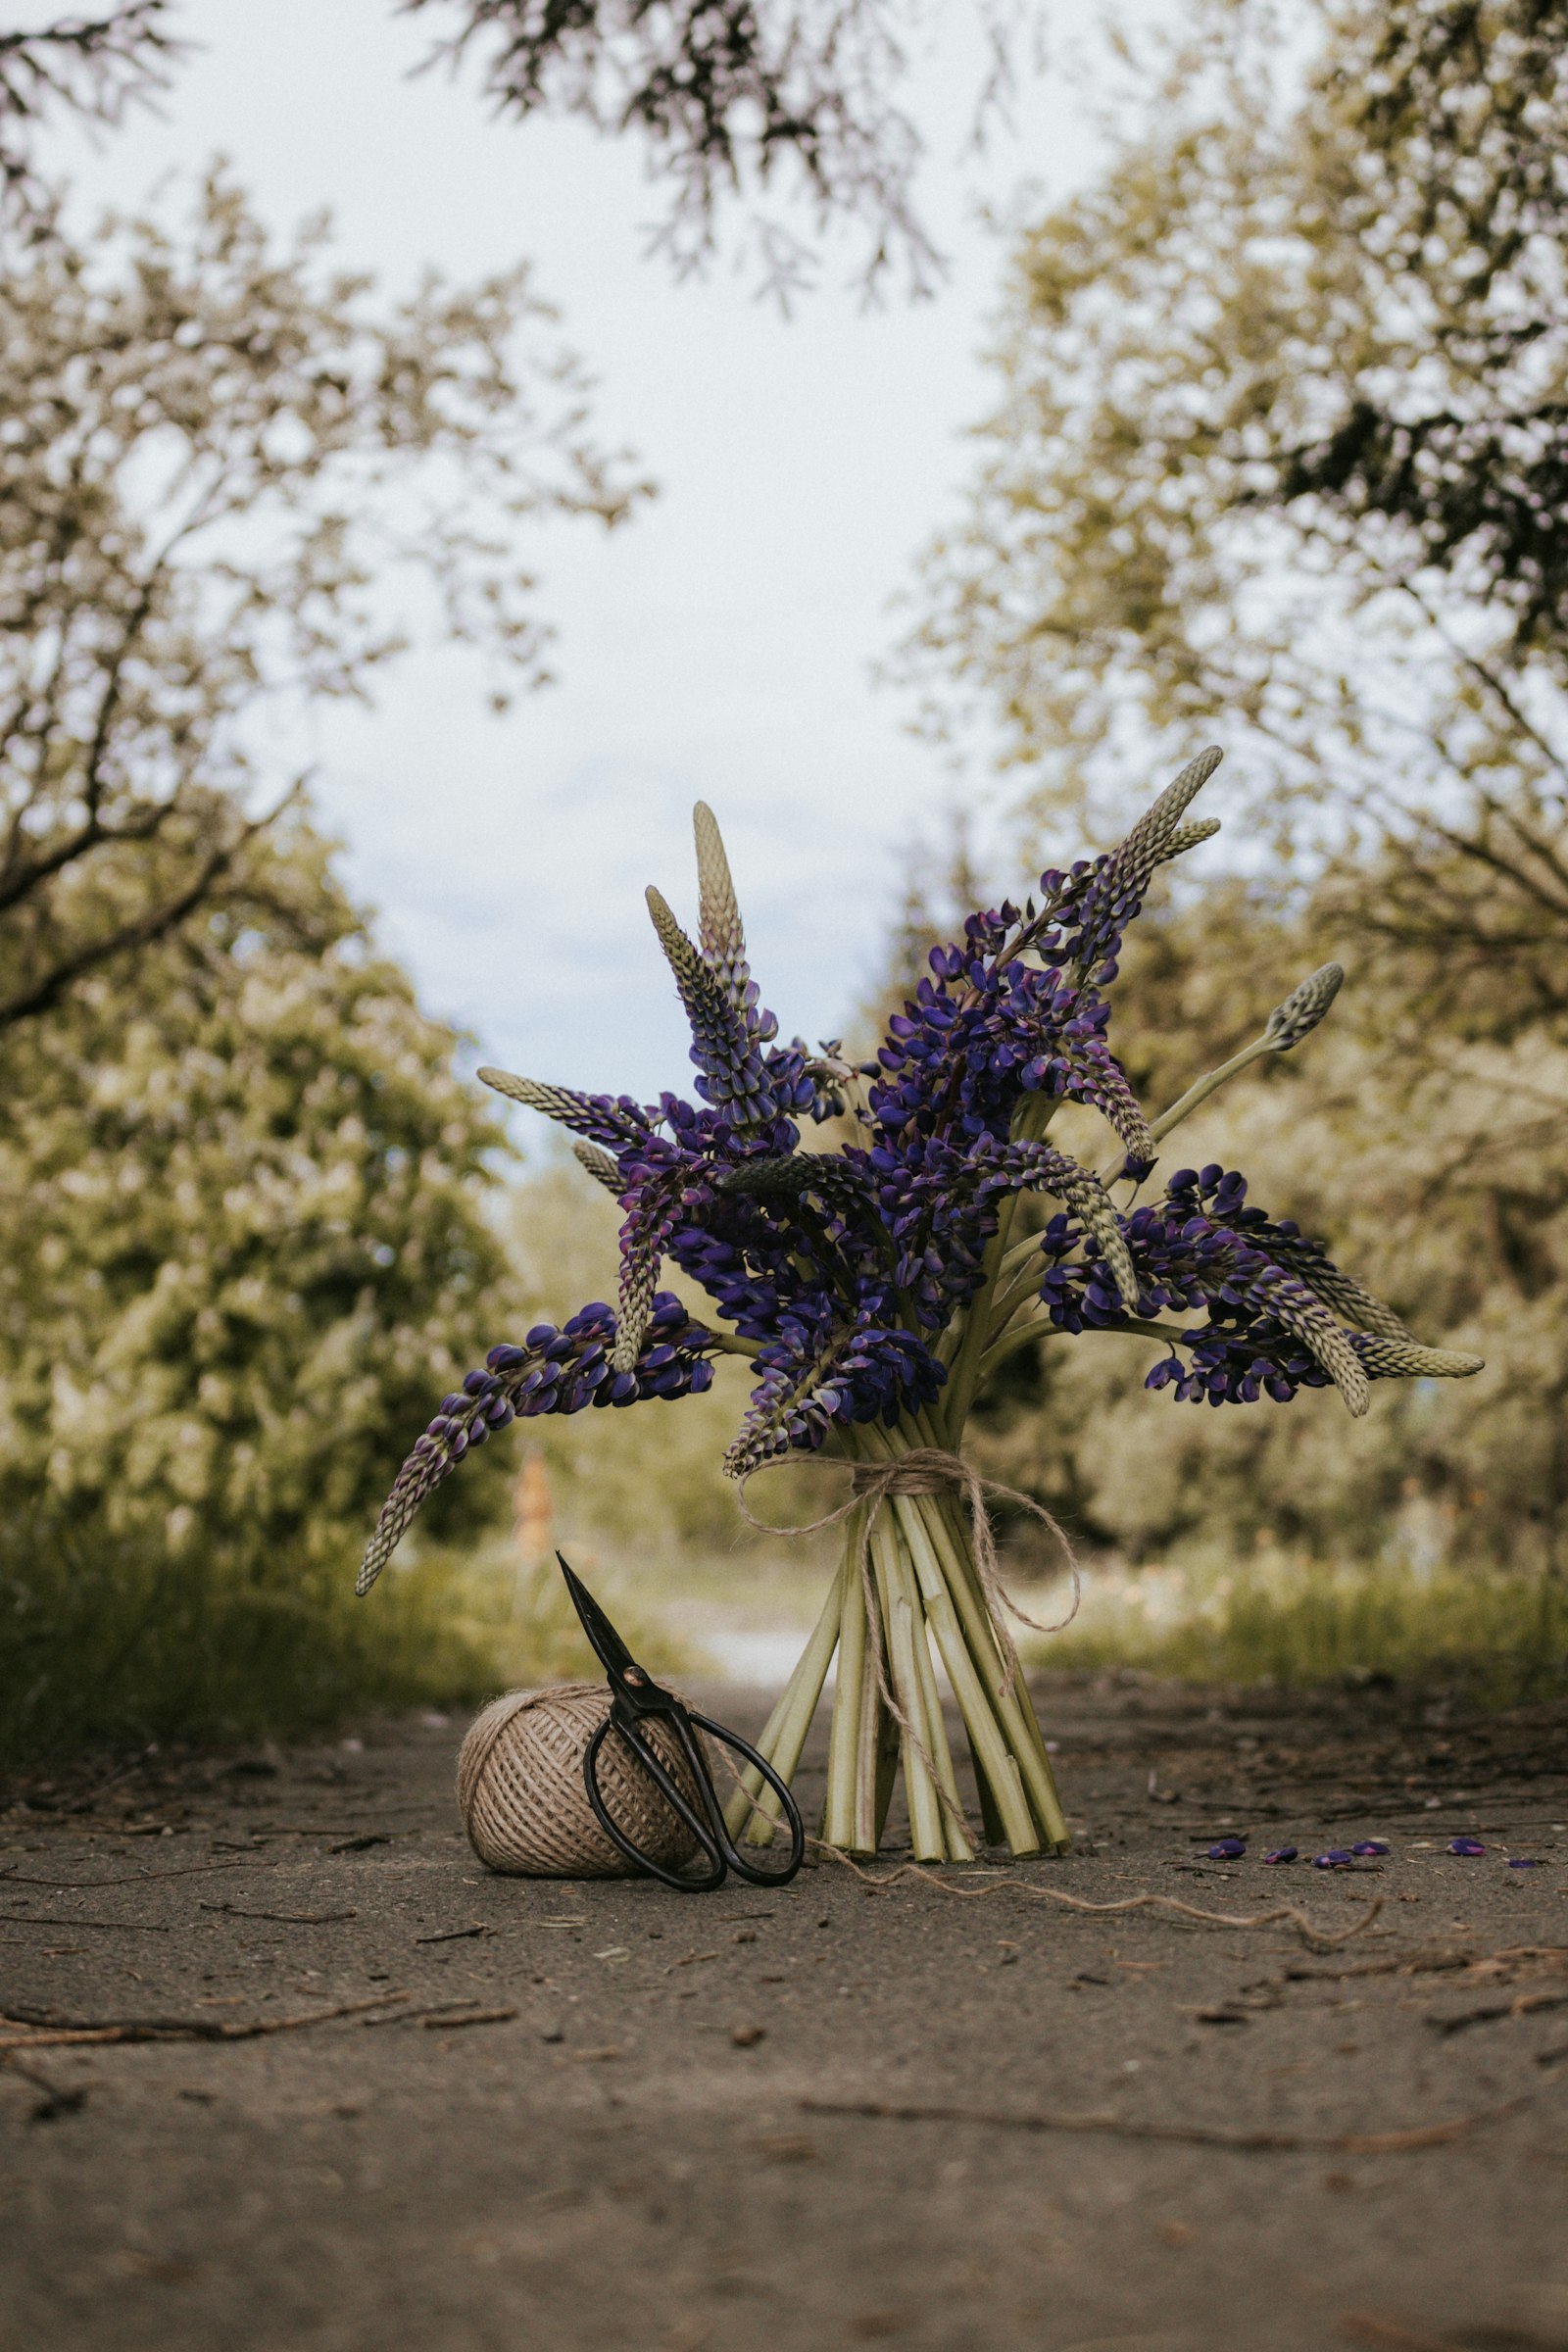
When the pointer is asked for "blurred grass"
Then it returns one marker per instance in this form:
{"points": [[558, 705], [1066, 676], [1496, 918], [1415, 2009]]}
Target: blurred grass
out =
{"points": [[1291, 1621], [107, 1643]]}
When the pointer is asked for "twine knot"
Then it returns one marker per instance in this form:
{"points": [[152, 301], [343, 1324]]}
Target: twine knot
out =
{"points": [[926, 1470]]}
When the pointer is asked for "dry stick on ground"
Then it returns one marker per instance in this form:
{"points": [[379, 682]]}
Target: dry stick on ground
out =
{"points": [[44, 2029], [287, 1919], [1199, 2135], [45, 1919], [1394, 1964], [1523, 2005], [445, 2013], [133, 1878], [1321, 1938]]}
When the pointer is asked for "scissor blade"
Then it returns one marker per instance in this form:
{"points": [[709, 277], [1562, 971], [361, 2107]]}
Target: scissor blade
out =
{"points": [[607, 1645]]}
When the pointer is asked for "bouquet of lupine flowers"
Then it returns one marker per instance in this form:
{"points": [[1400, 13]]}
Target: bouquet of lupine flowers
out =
{"points": [[878, 1286]]}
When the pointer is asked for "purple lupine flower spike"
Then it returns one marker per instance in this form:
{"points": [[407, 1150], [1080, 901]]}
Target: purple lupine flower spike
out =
{"points": [[842, 1271]]}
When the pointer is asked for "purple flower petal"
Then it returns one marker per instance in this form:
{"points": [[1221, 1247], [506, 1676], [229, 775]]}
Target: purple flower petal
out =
{"points": [[1229, 1849], [1282, 1853], [1466, 1845], [1370, 1845]]}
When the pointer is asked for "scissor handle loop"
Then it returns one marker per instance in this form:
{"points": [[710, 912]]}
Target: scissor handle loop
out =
{"points": [[712, 1834], [742, 1864]]}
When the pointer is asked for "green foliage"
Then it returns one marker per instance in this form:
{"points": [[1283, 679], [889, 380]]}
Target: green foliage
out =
{"points": [[241, 1233], [1253, 387], [109, 1640], [241, 1241], [1275, 1617]]}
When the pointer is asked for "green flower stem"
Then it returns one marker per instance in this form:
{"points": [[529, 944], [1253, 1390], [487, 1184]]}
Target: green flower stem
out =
{"points": [[1040, 1327], [876, 1758], [1029, 1125], [1024, 1290], [784, 1737], [992, 1758], [1189, 1103], [953, 1829], [993, 1714], [840, 1825], [1012, 1702], [730, 1343], [926, 1831]]}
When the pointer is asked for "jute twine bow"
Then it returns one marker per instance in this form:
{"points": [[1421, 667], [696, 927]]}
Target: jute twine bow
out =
{"points": [[931, 1470]]}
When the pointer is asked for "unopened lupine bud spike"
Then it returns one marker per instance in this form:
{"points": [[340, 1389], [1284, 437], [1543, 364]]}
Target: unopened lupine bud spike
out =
{"points": [[1149, 838], [1402, 1359], [599, 1165], [721, 934], [1303, 1007], [1188, 837]]}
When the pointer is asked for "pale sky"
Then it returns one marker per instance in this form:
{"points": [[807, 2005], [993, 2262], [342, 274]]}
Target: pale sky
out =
{"points": [[722, 646]]}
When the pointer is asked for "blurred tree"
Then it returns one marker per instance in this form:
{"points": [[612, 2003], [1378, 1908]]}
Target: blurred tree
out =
{"points": [[215, 463], [1157, 540], [242, 1236], [730, 96], [242, 1222], [89, 65], [243, 1227], [1277, 462]]}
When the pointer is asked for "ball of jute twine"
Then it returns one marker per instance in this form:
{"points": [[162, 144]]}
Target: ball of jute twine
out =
{"points": [[524, 1803]]}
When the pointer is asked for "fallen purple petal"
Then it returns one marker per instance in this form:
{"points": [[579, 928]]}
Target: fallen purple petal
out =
{"points": [[1370, 1845], [1282, 1853], [1229, 1849], [1338, 1857], [1465, 1845], [1521, 1862]]}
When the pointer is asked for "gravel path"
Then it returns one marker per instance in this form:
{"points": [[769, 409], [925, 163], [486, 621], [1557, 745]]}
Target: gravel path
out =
{"points": [[364, 2095]]}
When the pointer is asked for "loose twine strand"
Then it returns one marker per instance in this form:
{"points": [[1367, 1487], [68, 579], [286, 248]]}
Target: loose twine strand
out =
{"points": [[932, 1470], [1320, 1940]]}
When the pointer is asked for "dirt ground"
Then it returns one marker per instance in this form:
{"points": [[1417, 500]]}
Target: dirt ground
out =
{"points": [[488, 2113]]}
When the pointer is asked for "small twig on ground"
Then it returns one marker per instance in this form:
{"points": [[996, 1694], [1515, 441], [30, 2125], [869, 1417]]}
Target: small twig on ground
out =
{"points": [[289, 1919], [442, 2013], [456, 1934], [46, 1918], [43, 2029], [1320, 1939], [1523, 2005], [132, 1877], [1411, 1964], [1200, 2135]]}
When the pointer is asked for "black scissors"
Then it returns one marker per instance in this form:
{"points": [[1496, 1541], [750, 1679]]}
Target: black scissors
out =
{"points": [[634, 1698]]}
